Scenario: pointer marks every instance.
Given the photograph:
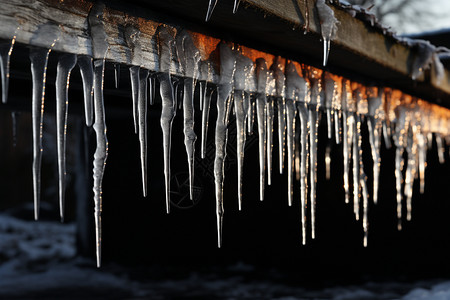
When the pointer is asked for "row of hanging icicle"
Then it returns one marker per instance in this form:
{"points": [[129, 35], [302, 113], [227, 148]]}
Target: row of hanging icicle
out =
{"points": [[249, 90]]}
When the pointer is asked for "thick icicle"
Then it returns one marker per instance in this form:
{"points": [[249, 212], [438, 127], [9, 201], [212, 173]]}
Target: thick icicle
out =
{"points": [[65, 65], [261, 111], [205, 118], [5, 55], [134, 78], [278, 71], [101, 152], [303, 112], [87, 75], [227, 68], [168, 103], [189, 57], [142, 124], [328, 27], [39, 59], [374, 127], [211, 6]]}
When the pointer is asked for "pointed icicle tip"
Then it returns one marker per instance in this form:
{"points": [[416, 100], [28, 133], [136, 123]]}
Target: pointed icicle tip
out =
{"points": [[211, 6]]}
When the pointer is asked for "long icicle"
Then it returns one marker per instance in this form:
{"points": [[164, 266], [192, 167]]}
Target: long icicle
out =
{"points": [[346, 145], [134, 78], [373, 124], [65, 65], [39, 59], [240, 140], [278, 71], [189, 57], [87, 75], [205, 118], [227, 68], [101, 151], [142, 124], [168, 103], [5, 56], [401, 129], [270, 114], [261, 111], [303, 113]]}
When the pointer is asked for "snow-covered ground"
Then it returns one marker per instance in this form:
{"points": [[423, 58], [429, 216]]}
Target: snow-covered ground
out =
{"points": [[37, 260]]}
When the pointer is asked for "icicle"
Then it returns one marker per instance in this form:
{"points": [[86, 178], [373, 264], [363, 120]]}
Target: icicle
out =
{"points": [[116, 75], [313, 138], [152, 87], [355, 123], [261, 106], [240, 140], [101, 152], [290, 114], [400, 131], [386, 135], [202, 93], [278, 71], [270, 114], [242, 107], [409, 176], [142, 124], [39, 59], [14, 117], [134, 78], [330, 88], [337, 126], [422, 160], [211, 6], [365, 196], [168, 103], [227, 68], [87, 75], [205, 118], [236, 5], [251, 108], [328, 27], [65, 65], [303, 113], [189, 57], [440, 148], [347, 140], [5, 55], [373, 125], [328, 161]]}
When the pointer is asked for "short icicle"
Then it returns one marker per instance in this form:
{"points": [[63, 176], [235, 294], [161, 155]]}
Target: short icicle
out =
{"points": [[261, 111], [101, 151], [39, 59], [227, 68], [211, 6], [330, 90], [168, 103], [87, 76], [142, 125], [65, 65], [5, 56], [134, 78], [328, 27]]}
